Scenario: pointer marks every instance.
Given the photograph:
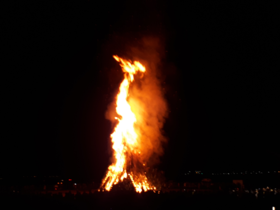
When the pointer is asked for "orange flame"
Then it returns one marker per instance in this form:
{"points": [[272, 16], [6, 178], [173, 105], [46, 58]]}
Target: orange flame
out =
{"points": [[124, 138]]}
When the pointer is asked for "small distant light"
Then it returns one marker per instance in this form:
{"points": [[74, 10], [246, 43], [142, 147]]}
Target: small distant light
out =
{"points": [[57, 182], [273, 207], [69, 180], [61, 183], [62, 180], [75, 183]]}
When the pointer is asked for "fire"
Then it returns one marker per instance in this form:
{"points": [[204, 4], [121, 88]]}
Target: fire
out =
{"points": [[125, 139]]}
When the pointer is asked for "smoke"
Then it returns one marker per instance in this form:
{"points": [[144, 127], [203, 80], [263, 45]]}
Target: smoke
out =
{"points": [[148, 104]]}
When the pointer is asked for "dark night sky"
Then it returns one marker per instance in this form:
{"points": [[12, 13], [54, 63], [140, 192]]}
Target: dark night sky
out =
{"points": [[221, 77]]}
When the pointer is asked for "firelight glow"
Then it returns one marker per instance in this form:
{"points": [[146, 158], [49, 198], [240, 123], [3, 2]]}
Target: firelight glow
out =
{"points": [[125, 139]]}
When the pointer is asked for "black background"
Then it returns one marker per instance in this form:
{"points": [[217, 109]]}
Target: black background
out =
{"points": [[221, 71]]}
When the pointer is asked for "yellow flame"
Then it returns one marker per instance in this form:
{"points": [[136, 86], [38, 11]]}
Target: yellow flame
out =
{"points": [[124, 137]]}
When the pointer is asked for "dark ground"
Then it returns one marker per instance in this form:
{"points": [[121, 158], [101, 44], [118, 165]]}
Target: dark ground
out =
{"points": [[131, 200]]}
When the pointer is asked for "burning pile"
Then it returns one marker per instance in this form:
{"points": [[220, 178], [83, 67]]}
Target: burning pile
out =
{"points": [[133, 138]]}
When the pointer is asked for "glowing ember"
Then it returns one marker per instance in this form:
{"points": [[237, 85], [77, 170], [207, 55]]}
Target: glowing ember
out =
{"points": [[125, 138]]}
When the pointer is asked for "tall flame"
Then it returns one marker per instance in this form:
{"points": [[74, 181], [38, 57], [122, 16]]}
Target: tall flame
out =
{"points": [[124, 138]]}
